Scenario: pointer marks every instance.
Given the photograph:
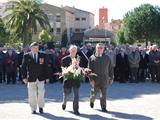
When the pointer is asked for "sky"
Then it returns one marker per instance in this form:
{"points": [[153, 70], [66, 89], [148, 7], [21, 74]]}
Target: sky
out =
{"points": [[116, 8]]}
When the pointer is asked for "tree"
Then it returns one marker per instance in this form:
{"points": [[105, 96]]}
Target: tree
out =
{"points": [[24, 18], [44, 36], [64, 39], [2, 31], [120, 37], [142, 24], [4, 35]]}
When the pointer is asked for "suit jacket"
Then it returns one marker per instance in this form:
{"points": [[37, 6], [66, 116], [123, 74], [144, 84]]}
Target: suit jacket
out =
{"points": [[11, 63], [2, 61], [143, 64], [85, 57], [20, 58], [122, 63], [66, 61], [33, 70]]}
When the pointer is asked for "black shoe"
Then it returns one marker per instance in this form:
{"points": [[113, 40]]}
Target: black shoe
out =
{"points": [[40, 110], [63, 106], [104, 110], [91, 105], [34, 112], [76, 113]]}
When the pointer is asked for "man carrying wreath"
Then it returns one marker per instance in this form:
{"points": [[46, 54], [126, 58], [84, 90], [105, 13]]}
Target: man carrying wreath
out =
{"points": [[70, 70]]}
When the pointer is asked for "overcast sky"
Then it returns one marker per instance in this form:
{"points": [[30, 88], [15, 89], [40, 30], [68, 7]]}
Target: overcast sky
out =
{"points": [[116, 8]]}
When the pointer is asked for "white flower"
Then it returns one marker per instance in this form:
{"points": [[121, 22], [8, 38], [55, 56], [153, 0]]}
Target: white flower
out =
{"points": [[77, 72], [74, 61]]}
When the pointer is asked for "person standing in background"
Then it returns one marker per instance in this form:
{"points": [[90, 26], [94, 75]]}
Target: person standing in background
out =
{"points": [[134, 59], [20, 58], [2, 64], [11, 65]]}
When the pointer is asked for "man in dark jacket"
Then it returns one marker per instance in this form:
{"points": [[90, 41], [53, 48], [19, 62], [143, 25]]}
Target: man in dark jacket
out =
{"points": [[2, 64], [11, 64], [34, 72], [71, 84], [20, 58], [143, 65], [122, 66], [101, 66], [85, 53]]}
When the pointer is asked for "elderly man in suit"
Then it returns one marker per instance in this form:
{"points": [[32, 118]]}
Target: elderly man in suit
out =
{"points": [[70, 84], [101, 65], [34, 67]]}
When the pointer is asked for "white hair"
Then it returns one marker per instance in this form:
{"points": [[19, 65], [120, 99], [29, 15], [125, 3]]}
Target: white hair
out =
{"points": [[72, 46], [99, 45], [154, 47]]}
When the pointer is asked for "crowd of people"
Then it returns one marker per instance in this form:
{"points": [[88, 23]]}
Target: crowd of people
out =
{"points": [[131, 63]]}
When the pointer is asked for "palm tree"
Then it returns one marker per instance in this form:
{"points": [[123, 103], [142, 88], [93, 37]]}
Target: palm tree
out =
{"points": [[24, 17]]}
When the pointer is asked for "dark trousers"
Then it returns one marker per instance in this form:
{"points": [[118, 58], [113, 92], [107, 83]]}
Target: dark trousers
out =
{"points": [[20, 73], [134, 74], [11, 76], [1, 77], [102, 91], [155, 73], [123, 77], [142, 74], [116, 74], [67, 92]]}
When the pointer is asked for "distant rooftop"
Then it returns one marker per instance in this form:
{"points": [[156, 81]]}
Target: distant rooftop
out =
{"points": [[72, 9]]}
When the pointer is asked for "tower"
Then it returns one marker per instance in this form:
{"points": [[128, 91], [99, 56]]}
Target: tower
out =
{"points": [[103, 17]]}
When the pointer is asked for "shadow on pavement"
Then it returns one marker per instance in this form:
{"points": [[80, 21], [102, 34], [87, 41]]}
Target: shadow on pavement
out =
{"points": [[132, 90], [52, 117], [54, 92], [93, 117], [126, 116]]}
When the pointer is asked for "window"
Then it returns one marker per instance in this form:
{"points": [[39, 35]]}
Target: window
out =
{"points": [[52, 30], [77, 19], [83, 19], [58, 17], [77, 30], [58, 20], [58, 30], [83, 29]]}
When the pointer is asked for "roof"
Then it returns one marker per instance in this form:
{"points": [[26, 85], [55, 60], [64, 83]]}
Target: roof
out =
{"points": [[50, 8], [72, 9], [97, 33], [77, 37]]}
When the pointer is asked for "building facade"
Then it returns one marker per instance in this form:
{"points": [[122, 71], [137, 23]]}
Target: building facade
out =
{"points": [[64, 19], [114, 25], [68, 20], [83, 21]]}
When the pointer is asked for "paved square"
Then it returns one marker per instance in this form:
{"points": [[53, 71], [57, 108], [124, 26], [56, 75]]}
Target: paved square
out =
{"points": [[125, 102]]}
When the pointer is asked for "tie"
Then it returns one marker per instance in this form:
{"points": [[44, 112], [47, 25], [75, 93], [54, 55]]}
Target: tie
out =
{"points": [[35, 58]]}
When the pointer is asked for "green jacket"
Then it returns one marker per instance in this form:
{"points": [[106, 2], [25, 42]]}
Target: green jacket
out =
{"points": [[102, 67], [134, 59]]}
